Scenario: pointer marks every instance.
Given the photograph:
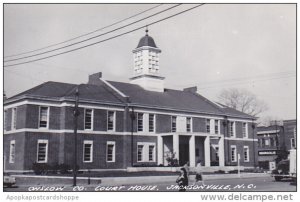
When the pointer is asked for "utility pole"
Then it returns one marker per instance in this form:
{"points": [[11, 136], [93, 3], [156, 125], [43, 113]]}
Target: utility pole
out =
{"points": [[76, 114], [254, 153], [132, 116]]}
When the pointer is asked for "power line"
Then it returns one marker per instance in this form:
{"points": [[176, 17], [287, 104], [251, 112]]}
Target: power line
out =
{"points": [[247, 82], [88, 39], [286, 73], [113, 37], [89, 33]]}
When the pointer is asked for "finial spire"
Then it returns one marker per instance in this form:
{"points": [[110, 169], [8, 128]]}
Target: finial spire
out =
{"points": [[147, 30]]}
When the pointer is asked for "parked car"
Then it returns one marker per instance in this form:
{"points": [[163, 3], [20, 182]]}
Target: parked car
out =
{"points": [[286, 168], [8, 181]]}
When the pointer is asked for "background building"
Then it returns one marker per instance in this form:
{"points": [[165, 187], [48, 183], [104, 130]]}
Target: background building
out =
{"points": [[275, 141]]}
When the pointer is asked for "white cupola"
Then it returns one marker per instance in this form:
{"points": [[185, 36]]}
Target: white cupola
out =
{"points": [[146, 65]]}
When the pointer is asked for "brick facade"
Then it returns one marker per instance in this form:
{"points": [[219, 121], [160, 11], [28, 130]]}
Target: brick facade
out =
{"points": [[61, 144]]}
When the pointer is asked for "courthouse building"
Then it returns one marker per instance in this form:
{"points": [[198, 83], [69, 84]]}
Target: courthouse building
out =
{"points": [[120, 125]]}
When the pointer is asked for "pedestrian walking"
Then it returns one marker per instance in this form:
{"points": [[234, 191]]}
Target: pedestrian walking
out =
{"points": [[199, 175], [182, 180], [186, 166]]}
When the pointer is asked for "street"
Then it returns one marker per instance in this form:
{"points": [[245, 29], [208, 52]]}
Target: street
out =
{"points": [[265, 183]]}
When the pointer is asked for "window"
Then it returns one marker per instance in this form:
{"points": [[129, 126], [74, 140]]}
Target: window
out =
{"points": [[245, 131], [140, 117], [275, 141], [173, 123], [151, 152], [246, 154], [12, 151], [14, 118], [263, 142], [5, 120], [110, 120], [140, 153], [110, 151], [208, 125], [43, 122], [188, 124], [258, 142], [42, 151], [217, 127], [231, 129], [151, 122], [293, 143], [145, 152], [272, 142], [87, 151], [88, 119], [233, 153], [267, 142]]}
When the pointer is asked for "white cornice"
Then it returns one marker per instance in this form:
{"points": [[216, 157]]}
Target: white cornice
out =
{"points": [[240, 139]]}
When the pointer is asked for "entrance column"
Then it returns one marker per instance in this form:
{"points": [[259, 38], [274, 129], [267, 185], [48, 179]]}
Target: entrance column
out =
{"points": [[192, 151], [176, 146], [207, 151], [160, 148], [221, 152]]}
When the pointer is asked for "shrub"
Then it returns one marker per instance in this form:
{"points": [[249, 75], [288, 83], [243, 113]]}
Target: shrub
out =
{"points": [[40, 168], [64, 168], [233, 171], [170, 158], [214, 163], [220, 171]]}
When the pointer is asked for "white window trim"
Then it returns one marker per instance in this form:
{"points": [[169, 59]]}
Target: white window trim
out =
{"points": [[92, 119], [5, 120], [143, 122], [208, 121], [145, 151], [154, 123], [219, 132], [10, 151], [154, 153], [233, 129], [13, 117], [114, 151], [176, 119], [246, 131], [248, 156], [137, 152], [46, 153], [235, 153], [48, 117], [114, 120], [92, 148], [191, 124]]}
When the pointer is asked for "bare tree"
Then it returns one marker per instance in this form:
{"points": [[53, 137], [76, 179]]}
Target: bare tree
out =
{"points": [[242, 100], [269, 121]]}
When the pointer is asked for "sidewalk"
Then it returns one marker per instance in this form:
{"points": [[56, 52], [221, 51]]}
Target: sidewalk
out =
{"points": [[105, 181]]}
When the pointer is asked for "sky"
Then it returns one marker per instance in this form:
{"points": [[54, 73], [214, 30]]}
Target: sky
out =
{"points": [[213, 47]]}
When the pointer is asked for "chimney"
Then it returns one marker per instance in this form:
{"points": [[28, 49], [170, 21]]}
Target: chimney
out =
{"points": [[191, 89], [95, 78]]}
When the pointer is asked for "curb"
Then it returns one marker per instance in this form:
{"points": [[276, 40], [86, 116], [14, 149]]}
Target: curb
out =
{"points": [[55, 180]]}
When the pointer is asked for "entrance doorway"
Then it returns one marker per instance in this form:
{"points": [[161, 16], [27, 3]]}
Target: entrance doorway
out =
{"points": [[184, 150]]}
